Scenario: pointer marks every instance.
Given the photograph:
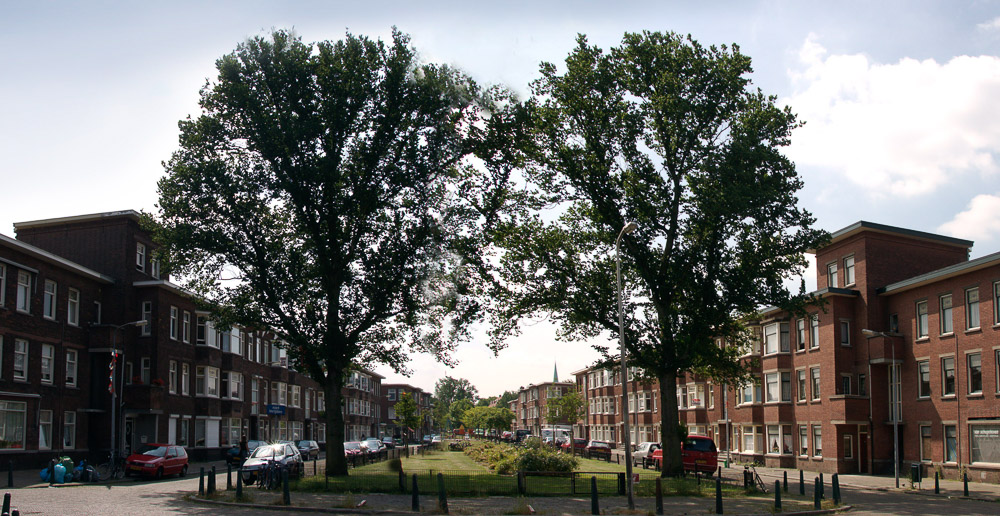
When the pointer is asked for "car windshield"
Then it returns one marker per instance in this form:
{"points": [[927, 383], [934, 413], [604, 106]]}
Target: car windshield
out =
{"points": [[153, 451], [354, 445], [271, 450], [304, 444], [700, 445]]}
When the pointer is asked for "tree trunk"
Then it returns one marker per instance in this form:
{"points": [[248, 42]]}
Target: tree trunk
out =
{"points": [[336, 462], [672, 463]]}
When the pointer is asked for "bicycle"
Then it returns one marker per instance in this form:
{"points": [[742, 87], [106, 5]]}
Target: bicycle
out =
{"points": [[113, 469]]}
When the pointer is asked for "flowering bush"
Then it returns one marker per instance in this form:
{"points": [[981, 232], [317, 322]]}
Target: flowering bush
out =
{"points": [[506, 459], [157, 382]]}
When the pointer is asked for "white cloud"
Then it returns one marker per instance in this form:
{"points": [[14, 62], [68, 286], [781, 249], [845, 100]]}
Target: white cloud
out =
{"points": [[993, 24], [896, 129], [980, 222]]}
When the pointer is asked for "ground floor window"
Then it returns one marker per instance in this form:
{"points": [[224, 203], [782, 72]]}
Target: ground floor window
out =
{"points": [[230, 433], [985, 443], [848, 446], [12, 418], [818, 441], [44, 429], [803, 440], [296, 430], [69, 430], [926, 445], [950, 443]]}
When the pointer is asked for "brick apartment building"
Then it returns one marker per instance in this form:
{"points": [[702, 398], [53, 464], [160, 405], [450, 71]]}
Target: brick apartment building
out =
{"points": [[362, 405], [827, 395], [71, 290], [530, 408], [391, 393]]}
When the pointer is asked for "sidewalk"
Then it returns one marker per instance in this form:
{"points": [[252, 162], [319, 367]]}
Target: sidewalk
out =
{"points": [[29, 478]]}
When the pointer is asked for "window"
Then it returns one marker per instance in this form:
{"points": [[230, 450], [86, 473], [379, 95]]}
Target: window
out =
{"points": [[848, 446], [48, 358], [972, 309], [49, 300], [975, 373], [801, 384], [296, 395], [800, 334], [69, 430], [924, 379], [921, 319], [140, 257], [803, 440], [983, 439], [948, 376], [235, 388], [97, 312], [173, 377], [814, 374], [818, 441], [73, 307], [3, 284], [849, 271], [182, 432], [845, 333], [154, 268], [773, 393], [862, 385], [814, 331], [23, 292], [144, 370], [786, 386], [186, 328], [926, 446], [996, 299], [770, 339], [147, 315], [950, 443], [12, 419], [206, 381], [20, 359], [173, 323], [199, 432], [947, 325], [255, 396], [893, 323], [392, 394], [44, 429], [845, 384], [71, 367], [185, 379], [831, 275], [200, 337]]}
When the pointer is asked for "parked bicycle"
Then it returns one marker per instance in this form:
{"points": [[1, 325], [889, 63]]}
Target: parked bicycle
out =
{"points": [[113, 469]]}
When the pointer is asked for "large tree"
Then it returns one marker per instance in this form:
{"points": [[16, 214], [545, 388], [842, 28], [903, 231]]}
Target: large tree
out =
{"points": [[450, 390], [569, 407], [330, 183], [671, 135], [407, 415]]}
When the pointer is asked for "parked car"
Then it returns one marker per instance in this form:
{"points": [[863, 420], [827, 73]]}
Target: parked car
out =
{"points": [[352, 449], [308, 449], [372, 445], [698, 453], [507, 435], [598, 450], [284, 455], [435, 439], [388, 442], [521, 434], [398, 441], [157, 460], [643, 453], [427, 439], [579, 446]]}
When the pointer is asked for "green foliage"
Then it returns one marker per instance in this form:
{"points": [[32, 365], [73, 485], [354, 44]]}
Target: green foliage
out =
{"points": [[457, 411], [407, 411], [395, 465], [506, 459], [488, 418], [569, 407], [671, 135], [450, 390]]}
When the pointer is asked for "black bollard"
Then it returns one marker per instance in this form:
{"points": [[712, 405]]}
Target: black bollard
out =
{"points": [[52, 472], [822, 487], [314, 466], [415, 502], [937, 485], [239, 482], [816, 494], [6, 503], [10, 473], [836, 488], [15, 512], [718, 496], [286, 496], [965, 484], [659, 496], [201, 481], [595, 506], [786, 481], [402, 481], [777, 496], [442, 496], [229, 477], [211, 481], [802, 484]]}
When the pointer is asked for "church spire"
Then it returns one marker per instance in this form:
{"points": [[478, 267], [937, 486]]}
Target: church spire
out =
{"points": [[555, 373]]}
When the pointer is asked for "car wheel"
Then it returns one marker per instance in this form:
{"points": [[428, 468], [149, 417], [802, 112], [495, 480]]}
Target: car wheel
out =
{"points": [[159, 473], [184, 470]]}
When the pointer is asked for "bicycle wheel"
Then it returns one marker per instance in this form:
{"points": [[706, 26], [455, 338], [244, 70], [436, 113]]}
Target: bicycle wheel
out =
{"points": [[104, 470]]}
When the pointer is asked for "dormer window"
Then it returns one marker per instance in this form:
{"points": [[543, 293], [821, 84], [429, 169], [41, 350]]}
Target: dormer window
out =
{"points": [[140, 257], [831, 275]]}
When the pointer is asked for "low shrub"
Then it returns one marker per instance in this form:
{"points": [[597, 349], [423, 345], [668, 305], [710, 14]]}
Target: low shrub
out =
{"points": [[506, 459]]}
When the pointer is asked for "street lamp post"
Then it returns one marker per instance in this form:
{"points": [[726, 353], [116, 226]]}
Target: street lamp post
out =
{"points": [[894, 395], [112, 385], [630, 227]]}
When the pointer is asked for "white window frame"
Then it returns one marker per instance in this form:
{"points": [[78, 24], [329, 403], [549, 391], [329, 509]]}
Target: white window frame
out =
{"points": [[48, 360], [814, 331], [831, 275], [972, 315], [185, 379], [924, 370], [72, 367], [23, 353], [44, 423], [849, 271], [140, 256], [186, 328], [968, 373], [73, 307], [23, 304], [814, 383], [146, 309], [3, 284], [845, 333], [922, 319], [145, 373], [172, 377], [946, 310], [49, 299], [944, 377], [174, 322], [817, 440], [69, 430]]}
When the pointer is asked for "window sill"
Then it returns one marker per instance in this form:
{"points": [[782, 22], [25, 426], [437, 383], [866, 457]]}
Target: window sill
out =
{"points": [[814, 349], [947, 335], [970, 331], [923, 398], [948, 397], [975, 395], [922, 339]]}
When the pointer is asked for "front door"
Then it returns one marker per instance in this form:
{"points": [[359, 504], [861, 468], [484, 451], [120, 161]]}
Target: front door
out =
{"points": [[128, 436], [863, 452]]}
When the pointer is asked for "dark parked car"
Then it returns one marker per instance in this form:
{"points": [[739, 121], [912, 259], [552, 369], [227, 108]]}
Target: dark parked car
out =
{"points": [[308, 449], [284, 455], [156, 460], [598, 450], [353, 449], [233, 453], [388, 442]]}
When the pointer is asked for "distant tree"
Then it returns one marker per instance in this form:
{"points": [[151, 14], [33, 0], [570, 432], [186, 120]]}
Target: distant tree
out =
{"points": [[449, 390], [485, 402], [506, 398], [488, 418], [569, 407], [672, 136], [457, 411], [407, 413]]}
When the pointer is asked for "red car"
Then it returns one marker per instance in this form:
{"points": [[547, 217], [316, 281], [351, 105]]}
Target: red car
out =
{"points": [[578, 444], [698, 453], [156, 460]]}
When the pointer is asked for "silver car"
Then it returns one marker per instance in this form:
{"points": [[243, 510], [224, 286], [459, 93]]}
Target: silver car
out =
{"points": [[280, 456]]}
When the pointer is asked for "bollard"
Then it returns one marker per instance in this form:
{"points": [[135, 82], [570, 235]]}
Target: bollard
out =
{"points": [[6, 503], [965, 484], [520, 484], [595, 507], [15, 512], [718, 496], [10, 473], [314, 466], [836, 488], [239, 482], [659, 496], [442, 496], [402, 481], [816, 503], [415, 502], [937, 485], [201, 481], [229, 477], [286, 497], [52, 471], [786, 481], [621, 484], [822, 487], [211, 481], [777, 496], [802, 484]]}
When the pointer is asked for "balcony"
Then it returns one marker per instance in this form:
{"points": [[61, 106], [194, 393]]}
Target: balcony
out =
{"points": [[881, 349], [144, 397]]}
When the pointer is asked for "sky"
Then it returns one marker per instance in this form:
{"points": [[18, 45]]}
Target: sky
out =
{"points": [[899, 100]]}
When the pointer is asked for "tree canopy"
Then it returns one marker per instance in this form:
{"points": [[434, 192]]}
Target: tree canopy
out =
{"points": [[449, 390], [407, 412], [671, 135], [488, 418], [326, 192]]}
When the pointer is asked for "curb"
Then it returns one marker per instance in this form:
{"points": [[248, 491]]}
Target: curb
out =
{"points": [[953, 497], [295, 508]]}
